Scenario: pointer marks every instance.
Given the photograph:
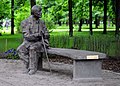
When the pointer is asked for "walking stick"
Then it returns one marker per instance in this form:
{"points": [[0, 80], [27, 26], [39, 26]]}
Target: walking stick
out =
{"points": [[46, 53]]}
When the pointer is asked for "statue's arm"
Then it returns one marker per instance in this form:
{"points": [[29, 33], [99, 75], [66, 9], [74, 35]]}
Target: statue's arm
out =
{"points": [[31, 37], [27, 35], [46, 35]]}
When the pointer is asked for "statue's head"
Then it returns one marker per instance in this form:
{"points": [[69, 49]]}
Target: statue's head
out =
{"points": [[36, 11]]}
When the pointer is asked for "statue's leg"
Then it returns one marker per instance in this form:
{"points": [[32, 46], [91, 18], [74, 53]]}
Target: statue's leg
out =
{"points": [[24, 56], [25, 59], [40, 61], [33, 60]]}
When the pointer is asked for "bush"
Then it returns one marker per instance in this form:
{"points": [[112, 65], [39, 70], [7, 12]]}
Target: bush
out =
{"points": [[104, 44]]}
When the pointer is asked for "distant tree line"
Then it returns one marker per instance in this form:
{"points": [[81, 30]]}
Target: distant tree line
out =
{"points": [[64, 12]]}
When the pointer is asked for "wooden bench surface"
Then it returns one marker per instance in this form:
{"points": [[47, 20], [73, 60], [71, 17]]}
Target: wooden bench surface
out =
{"points": [[76, 54]]}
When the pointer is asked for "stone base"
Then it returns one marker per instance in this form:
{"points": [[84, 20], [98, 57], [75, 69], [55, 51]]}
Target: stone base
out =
{"points": [[87, 70], [87, 80]]}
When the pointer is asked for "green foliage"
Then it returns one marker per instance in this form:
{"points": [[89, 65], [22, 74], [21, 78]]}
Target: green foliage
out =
{"points": [[80, 10], [10, 41], [48, 21], [10, 56], [21, 13], [4, 9], [105, 43], [56, 11]]}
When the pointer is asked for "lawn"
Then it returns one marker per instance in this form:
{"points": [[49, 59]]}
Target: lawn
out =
{"points": [[59, 37]]}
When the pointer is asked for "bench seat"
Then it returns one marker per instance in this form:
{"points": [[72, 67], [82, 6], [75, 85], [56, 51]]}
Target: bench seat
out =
{"points": [[75, 54]]}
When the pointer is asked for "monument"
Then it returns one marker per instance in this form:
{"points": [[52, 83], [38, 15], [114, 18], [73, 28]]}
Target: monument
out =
{"points": [[34, 30]]}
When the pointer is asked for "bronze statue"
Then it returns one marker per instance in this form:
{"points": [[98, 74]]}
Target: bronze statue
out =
{"points": [[33, 30]]}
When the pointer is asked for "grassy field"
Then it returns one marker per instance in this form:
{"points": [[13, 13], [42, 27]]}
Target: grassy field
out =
{"points": [[10, 41], [59, 37]]}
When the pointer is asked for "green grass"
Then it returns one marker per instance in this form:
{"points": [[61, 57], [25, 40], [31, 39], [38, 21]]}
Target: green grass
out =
{"points": [[100, 42], [82, 40], [8, 41], [106, 43], [84, 28]]}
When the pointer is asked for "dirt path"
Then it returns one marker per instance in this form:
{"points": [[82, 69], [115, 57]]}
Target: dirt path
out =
{"points": [[11, 75]]}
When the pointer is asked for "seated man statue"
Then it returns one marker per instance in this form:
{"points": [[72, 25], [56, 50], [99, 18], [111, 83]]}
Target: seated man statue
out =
{"points": [[33, 30]]}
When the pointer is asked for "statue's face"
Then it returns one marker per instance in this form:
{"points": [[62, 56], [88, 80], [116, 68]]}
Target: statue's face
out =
{"points": [[38, 13]]}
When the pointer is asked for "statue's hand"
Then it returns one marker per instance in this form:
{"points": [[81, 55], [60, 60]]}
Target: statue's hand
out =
{"points": [[37, 35]]}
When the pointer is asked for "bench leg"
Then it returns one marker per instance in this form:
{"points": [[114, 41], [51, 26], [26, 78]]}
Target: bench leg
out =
{"points": [[87, 70]]}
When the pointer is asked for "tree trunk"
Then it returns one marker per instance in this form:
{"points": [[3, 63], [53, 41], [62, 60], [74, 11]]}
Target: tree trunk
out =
{"points": [[90, 22], [96, 21], [117, 17], [32, 2], [105, 17], [87, 22], [70, 18], [109, 21], [59, 23], [12, 17], [80, 25]]}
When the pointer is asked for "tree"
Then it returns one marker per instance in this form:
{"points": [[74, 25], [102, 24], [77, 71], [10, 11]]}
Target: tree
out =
{"points": [[117, 11], [4, 9], [12, 17], [80, 12], [32, 2], [22, 11], [56, 11], [70, 19], [97, 11], [90, 10], [105, 17]]}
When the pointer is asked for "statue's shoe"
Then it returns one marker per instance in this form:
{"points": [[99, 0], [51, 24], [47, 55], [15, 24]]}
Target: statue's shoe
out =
{"points": [[26, 71], [31, 72]]}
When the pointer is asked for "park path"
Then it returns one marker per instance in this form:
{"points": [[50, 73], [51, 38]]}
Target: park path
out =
{"points": [[11, 75]]}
